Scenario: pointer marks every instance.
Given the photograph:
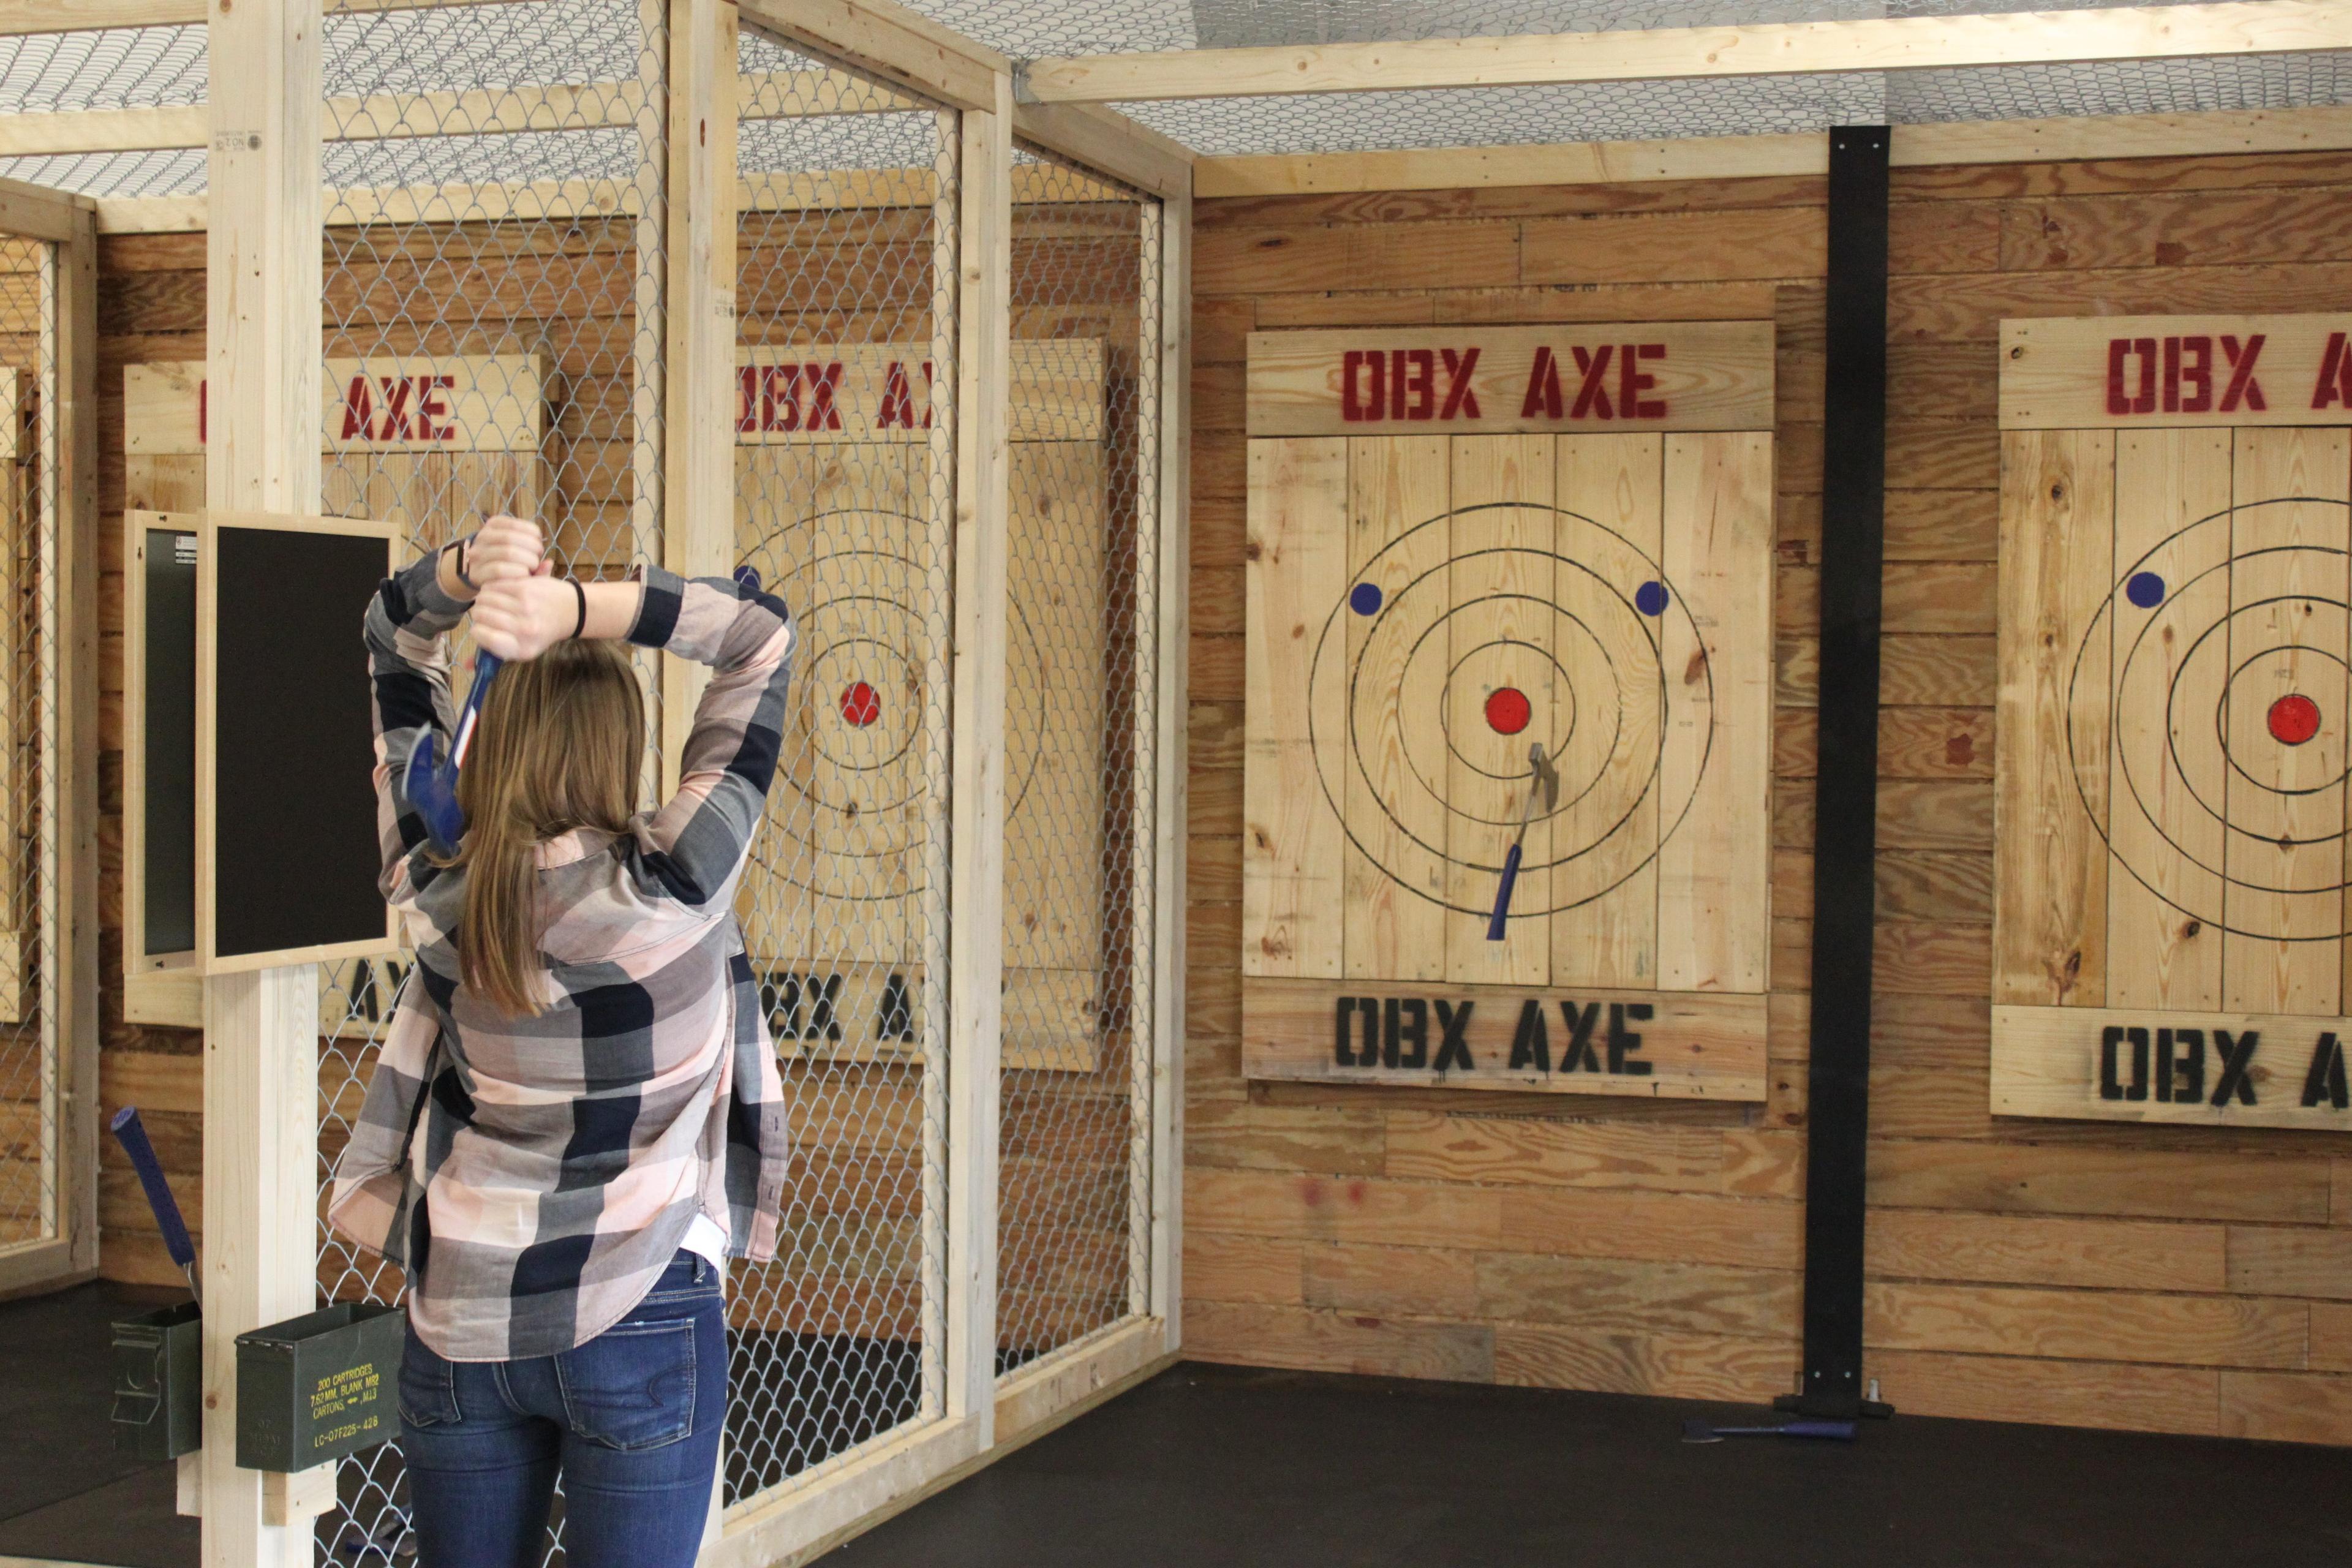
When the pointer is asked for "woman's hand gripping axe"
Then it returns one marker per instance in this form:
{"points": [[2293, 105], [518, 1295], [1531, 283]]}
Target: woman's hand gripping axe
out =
{"points": [[1543, 781]]}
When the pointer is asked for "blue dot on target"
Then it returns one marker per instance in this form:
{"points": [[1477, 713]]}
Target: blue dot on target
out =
{"points": [[1365, 599], [2145, 589], [1649, 598]]}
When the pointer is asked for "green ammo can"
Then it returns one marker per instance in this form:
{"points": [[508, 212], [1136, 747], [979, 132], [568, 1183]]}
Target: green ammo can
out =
{"points": [[159, 1374], [318, 1386]]}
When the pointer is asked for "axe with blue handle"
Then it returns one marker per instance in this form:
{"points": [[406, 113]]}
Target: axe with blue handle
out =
{"points": [[431, 787], [1543, 781], [132, 1133]]}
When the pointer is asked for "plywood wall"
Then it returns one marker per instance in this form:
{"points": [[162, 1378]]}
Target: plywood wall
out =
{"points": [[2183, 1281], [1640, 1246]]}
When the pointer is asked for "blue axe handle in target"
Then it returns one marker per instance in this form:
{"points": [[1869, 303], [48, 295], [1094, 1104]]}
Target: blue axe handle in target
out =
{"points": [[1501, 918], [132, 1133], [1543, 781]]}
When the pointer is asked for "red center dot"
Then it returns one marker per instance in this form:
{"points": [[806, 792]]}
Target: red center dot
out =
{"points": [[1509, 710], [860, 704], [2295, 718]]}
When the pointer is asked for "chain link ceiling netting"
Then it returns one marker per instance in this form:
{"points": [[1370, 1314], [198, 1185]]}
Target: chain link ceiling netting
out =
{"points": [[1611, 111], [579, 41]]}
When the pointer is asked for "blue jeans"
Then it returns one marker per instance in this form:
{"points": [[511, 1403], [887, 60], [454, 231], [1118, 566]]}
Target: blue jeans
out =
{"points": [[631, 1419]]}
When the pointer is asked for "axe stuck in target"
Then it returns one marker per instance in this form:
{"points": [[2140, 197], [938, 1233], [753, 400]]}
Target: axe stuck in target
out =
{"points": [[1543, 779]]}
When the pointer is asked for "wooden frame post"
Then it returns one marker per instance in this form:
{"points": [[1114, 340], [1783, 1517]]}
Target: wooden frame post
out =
{"points": [[1170, 788], [73, 505], [261, 1026], [698, 460], [983, 504]]}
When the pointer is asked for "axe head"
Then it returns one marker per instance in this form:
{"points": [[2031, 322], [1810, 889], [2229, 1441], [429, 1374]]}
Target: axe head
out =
{"points": [[1547, 776]]}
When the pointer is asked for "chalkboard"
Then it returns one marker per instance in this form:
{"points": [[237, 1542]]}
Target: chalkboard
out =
{"points": [[292, 835], [169, 734]]}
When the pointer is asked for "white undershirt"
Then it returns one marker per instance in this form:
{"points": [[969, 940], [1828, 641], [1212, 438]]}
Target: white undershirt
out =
{"points": [[706, 1240]]}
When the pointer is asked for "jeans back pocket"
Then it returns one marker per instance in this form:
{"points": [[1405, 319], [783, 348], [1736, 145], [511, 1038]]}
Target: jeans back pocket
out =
{"points": [[632, 1387], [428, 1385]]}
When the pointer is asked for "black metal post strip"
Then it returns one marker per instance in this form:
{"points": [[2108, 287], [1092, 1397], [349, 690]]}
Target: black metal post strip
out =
{"points": [[1845, 819]]}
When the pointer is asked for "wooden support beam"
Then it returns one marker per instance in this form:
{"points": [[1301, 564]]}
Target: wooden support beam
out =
{"points": [[698, 479], [1108, 141], [37, 211], [586, 198], [390, 116], [72, 499], [1169, 785], [1903, 43], [81, 16], [983, 546], [261, 1026], [2067, 137], [887, 41]]}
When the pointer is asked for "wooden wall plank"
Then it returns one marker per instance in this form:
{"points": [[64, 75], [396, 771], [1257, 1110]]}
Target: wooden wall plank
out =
{"points": [[1291, 866], [1419, 1281], [2022, 1179], [2085, 1325], [1665, 1227], [1499, 572], [2059, 1394], [2285, 1407], [2057, 532], [2286, 803], [2159, 954], [1599, 1293], [1394, 930], [1677, 1366], [2020, 1249], [2290, 1262], [1611, 940], [1756, 242], [1219, 1267], [1711, 933], [1317, 1340], [1539, 1151]]}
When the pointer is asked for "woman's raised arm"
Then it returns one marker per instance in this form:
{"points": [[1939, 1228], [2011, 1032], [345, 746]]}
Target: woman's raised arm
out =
{"points": [[408, 670]]}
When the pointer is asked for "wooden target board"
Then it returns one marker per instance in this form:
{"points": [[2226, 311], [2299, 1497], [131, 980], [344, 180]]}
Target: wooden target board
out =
{"points": [[2172, 929], [1468, 550], [837, 478]]}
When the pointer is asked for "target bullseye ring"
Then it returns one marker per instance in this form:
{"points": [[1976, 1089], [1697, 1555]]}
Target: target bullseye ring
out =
{"points": [[1509, 710], [2293, 718]]}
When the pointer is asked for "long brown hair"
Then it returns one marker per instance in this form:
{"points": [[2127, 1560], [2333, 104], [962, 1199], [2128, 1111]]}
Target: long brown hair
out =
{"points": [[557, 746]]}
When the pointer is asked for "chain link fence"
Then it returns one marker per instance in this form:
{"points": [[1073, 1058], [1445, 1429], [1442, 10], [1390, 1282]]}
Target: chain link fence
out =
{"points": [[494, 327], [1073, 1195], [32, 1082], [844, 503]]}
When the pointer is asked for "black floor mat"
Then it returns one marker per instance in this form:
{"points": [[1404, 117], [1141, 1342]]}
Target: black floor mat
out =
{"points": [[1247, 1469]]}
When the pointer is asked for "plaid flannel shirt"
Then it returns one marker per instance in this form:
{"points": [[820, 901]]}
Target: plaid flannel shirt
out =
{"points": [[535, 1174]]}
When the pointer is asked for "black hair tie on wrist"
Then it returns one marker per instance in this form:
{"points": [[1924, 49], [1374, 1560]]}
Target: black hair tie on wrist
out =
{"points": [[465, 547], [582, 627]]}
